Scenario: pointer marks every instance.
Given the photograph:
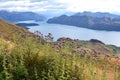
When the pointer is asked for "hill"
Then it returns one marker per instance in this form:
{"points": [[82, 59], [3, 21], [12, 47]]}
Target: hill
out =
{"points": [[20, 16], [8, 30], [28, 56], [96, 21]]}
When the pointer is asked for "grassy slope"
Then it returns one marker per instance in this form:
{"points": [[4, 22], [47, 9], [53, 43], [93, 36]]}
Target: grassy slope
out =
{"points": [[34, 59], [7, 30]]}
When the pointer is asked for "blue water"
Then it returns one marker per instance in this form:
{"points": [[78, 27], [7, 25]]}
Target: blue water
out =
{"points": [[108, 37]]}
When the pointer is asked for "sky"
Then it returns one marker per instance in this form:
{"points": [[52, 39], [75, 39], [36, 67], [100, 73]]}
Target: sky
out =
{"points": [[59, 6]]}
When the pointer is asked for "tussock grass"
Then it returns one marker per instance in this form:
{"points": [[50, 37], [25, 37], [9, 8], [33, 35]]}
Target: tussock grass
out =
{"points": [[35, 59]]}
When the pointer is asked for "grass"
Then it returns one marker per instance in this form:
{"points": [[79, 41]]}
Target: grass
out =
{"points": [[33, 59], [24, 56]]}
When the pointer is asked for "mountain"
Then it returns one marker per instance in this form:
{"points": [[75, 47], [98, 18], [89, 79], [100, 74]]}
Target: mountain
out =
{"points": [[50, 14], [96, 21], [20, 16], [98, 14], [28, 56]]}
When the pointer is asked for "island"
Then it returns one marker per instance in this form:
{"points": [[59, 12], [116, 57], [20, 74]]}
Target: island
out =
{"points": [[25, 25]]}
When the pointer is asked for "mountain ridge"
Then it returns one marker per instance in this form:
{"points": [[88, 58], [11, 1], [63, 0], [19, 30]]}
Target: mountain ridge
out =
{"points": [[98, 14], [20, 16], [107, 22]]}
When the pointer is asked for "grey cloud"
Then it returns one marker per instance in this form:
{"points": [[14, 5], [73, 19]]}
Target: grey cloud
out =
{"points": [[32, 5], [24, 0], [38, 0], [9, 0]]}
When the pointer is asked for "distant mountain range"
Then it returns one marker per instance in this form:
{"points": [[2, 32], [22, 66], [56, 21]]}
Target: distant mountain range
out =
{"points": [[96, 21], [20, 16], [98, 14], [50, 14]]}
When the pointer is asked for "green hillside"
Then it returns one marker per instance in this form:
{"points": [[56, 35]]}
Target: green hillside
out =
{"points": [[26, 56]]}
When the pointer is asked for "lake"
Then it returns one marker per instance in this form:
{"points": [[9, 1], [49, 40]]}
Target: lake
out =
{"points": [[57, 30]]}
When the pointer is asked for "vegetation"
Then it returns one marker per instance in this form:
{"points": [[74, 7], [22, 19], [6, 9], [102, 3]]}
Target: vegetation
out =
{"points": [[36, 57]]}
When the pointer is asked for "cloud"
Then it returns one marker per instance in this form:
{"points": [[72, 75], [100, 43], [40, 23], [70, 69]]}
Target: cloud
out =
{"points": [[20, 5], [30, 5], [92, 5], [57, 6]]}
